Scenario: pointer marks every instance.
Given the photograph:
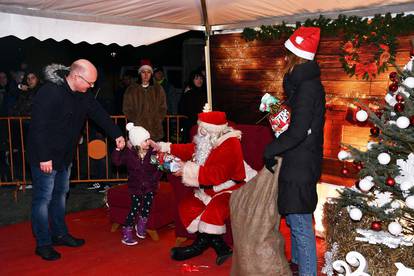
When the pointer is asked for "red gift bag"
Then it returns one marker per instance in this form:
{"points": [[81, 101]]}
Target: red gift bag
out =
{"points": [[280, 120]]}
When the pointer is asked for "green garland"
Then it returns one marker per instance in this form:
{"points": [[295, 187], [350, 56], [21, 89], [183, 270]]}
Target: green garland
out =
{"points": [[379, 32]]}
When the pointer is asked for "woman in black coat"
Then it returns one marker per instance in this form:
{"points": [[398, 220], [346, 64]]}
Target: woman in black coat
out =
{"points": [[301, 145], [192, 102]]}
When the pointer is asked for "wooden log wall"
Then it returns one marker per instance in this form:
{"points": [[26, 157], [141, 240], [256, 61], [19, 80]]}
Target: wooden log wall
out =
{"points": [[243, 71]]}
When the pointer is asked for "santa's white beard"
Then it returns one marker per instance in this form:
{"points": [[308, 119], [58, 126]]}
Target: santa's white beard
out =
{"points": [[203, 147]]}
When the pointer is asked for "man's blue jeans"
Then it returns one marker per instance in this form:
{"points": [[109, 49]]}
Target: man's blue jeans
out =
{"points": [[303, 243], [49, 204]]}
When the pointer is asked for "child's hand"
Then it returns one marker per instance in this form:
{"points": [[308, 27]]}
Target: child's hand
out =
{"points": [[154, 145]]}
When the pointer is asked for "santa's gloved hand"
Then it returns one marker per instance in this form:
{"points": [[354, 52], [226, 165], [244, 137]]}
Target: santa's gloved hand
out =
{"points": [[270, 163]]}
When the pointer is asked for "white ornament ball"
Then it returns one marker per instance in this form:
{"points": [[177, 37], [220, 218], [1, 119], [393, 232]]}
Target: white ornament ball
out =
{"points": [[362, 115], [395, 228], [406, 185], [355, 214], [409, 201], [365, 184], [403, 122], [384, 158], [342, 155], [370, 144], [409, 82]]}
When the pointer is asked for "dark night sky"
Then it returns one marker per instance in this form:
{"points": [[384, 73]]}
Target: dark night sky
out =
{"points": [[38, 54]]}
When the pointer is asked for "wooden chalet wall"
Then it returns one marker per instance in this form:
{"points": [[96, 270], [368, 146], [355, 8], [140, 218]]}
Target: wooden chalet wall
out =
{"points": [[243, 71]]}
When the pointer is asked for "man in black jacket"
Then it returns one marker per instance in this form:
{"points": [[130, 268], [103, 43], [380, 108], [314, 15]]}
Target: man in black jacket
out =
{"points": [[59, 111], [301, 146]]}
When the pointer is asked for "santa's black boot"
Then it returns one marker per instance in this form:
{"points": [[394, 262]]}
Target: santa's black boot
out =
{"points": [[223, 251], [200, 244]]}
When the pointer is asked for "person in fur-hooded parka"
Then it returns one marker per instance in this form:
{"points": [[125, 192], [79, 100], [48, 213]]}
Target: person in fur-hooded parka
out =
{"points": [[59, 111]]}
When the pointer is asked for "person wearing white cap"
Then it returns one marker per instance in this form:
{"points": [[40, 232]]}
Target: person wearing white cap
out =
{"points": [[301, 146], [145, 103], [143, 180]]}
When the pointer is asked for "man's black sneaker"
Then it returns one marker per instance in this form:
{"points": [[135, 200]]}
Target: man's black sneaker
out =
{"points": [[68, 240], [47, 253]]}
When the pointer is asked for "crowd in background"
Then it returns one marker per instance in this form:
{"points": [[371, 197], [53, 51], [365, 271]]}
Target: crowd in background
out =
{"points": [[19, 87]]}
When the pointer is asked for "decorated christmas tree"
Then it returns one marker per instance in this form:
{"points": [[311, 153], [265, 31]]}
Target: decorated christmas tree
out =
{"points": [[376, 216]]}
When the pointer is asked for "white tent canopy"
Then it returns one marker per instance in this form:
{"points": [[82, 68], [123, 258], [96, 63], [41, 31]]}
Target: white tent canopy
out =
{"points": [[141, 22]]}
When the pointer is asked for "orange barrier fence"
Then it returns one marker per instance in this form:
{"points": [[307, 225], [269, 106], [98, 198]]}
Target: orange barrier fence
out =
{"points": [[92, 158]]}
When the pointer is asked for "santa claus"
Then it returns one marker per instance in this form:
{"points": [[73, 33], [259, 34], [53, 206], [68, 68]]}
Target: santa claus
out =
{"points": [[213, 164]]}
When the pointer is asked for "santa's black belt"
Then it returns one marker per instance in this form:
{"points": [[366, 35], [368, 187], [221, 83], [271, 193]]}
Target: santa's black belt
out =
{"points": [[207, 187]]}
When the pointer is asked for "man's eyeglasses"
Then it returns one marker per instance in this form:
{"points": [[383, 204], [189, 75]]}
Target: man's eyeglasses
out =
{"points": [[91, 84]]}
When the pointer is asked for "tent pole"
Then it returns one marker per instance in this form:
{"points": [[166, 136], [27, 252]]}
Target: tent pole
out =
{"points": [[208, 71], [207, 53]]}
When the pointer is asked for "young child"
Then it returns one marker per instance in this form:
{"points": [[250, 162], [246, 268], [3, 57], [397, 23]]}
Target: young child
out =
{"points": [[143, 180]]}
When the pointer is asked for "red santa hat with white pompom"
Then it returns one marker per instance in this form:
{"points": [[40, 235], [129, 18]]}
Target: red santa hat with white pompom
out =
{"points": [[212, 121], [304, 42]]}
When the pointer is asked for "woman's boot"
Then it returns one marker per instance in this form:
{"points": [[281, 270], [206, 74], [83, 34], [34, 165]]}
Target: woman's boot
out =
{"points": [[223, 251], [200, 244]]}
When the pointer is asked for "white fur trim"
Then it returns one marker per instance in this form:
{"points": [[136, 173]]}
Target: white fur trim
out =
{"points": [[201, 195], [51, 73], [250, 172], [300, 53], [190, 174], [223, 186], [234, 133], [211, 127], [193, 227], [165, 147], [205, 227], [145, 67]]}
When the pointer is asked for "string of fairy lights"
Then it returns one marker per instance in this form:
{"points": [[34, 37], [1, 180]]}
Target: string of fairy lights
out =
{"points": [[237, 63]]}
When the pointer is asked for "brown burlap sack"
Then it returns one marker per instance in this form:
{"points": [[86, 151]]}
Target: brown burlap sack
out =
{"points": [[258, 245]]}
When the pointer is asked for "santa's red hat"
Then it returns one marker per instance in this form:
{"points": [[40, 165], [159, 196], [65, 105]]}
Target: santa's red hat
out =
{"points": [[304, 42], [212, 121]]}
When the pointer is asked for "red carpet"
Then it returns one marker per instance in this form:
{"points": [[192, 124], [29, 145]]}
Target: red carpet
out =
{"points": [[103, 253]]}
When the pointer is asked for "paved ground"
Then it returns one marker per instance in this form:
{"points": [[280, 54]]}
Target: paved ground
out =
{"points": [[17, 210]]}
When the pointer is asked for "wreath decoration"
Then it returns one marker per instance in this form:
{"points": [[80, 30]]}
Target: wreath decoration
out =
{"points": [[367, 54]]}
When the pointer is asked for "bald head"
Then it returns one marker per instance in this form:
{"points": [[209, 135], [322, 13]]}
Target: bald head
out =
{"points": [[83, 66], [82, 76]]}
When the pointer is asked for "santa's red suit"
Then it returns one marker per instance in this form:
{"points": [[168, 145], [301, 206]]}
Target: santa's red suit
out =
{"points": [[222, 172]]}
